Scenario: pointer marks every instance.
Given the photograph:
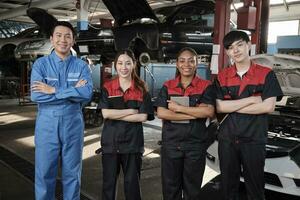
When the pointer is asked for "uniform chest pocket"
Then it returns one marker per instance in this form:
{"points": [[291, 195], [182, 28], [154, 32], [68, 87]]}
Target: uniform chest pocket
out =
{"points": [[133, 104], [52, 81], [73, 78], [195, 100], [231, 92], [255, 90]]}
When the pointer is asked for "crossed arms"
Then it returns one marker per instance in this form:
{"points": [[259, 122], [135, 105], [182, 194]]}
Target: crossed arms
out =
{"points": [[179, 112], [129, 115], [44, 93], [250, 105]]}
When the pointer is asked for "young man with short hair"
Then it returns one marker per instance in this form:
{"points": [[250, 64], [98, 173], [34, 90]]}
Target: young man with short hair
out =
{"points": [[60, 83], [247, 91]]}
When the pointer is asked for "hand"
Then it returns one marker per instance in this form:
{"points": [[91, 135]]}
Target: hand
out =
{"points": [[173, 106], [39, 86], [81, 83]]}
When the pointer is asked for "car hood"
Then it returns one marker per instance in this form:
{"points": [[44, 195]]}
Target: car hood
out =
{"points": [[286, 68], [129, 10], [42, 18]]}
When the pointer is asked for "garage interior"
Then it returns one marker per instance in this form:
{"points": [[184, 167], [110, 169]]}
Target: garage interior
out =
{"points": [[274, 27]]}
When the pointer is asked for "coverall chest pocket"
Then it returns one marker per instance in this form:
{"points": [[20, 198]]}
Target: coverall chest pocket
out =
{"points": [[73, 78]]}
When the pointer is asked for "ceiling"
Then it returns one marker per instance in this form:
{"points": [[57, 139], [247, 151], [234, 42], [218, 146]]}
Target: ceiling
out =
{"points": [[64, 9], [15, 10]]}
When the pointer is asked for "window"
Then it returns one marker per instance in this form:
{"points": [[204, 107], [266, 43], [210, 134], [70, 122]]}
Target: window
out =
{"points": [[282, 28]]}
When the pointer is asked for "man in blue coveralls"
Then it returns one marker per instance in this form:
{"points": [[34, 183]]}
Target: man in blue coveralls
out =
{"points": [[60, 83]]}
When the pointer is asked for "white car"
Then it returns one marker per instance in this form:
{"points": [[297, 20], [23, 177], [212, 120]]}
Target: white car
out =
{"points": [[7, 45], [282, 165]]}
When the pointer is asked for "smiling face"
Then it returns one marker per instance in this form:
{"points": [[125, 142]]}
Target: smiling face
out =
{"points": [[187, 64], [238, 51], [62, 40], [125, 66]]}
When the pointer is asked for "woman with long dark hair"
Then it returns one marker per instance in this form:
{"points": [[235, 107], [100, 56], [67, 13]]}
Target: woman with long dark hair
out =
{"points": [[184, 104], [125, 104]]}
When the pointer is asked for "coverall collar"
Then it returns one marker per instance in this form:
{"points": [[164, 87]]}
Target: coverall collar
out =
{"points": [[58, 59]]}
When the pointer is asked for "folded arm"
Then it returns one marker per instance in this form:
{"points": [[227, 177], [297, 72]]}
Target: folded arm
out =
{"points": [[266, 106], [82, 91], [166, 114], [201, 111], [40, 91], [117, 113], [140, 117], [44, 93], [229, 106], [129, 115]]}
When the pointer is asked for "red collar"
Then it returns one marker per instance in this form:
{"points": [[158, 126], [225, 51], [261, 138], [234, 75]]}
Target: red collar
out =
{"points": [[233, 71], [116, 85], [194, 82]]}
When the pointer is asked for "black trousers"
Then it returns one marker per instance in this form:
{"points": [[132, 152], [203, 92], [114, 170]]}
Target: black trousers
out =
{"points": [[131, 166], [182, 173], [236, 158]]}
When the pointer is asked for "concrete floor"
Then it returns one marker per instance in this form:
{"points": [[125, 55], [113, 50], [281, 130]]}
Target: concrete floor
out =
{"points": [[17, 138], [17, 135]]}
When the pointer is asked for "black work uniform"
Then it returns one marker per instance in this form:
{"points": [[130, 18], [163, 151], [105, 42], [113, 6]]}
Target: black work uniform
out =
{"points": [[184, 144], [243, 137], [122, 142]]}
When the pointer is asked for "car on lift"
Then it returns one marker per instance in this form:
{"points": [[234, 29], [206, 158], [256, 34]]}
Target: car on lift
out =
{"points": [[157, 34], [38, 33], [40, 46], [7, 45], [282, 164]]}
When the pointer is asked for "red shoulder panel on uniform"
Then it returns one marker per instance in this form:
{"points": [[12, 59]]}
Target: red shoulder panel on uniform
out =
{"points": [[173, 86], [113, 87], [133, 94], [198, 86], [224, 75], [255, 76]]}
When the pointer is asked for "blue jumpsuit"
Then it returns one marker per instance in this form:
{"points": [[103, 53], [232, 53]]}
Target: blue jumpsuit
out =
{"points": [[59, 125]]}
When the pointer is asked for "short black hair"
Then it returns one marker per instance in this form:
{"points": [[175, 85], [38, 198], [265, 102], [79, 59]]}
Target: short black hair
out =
{"points": [[234, 36], [65, 24]]}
